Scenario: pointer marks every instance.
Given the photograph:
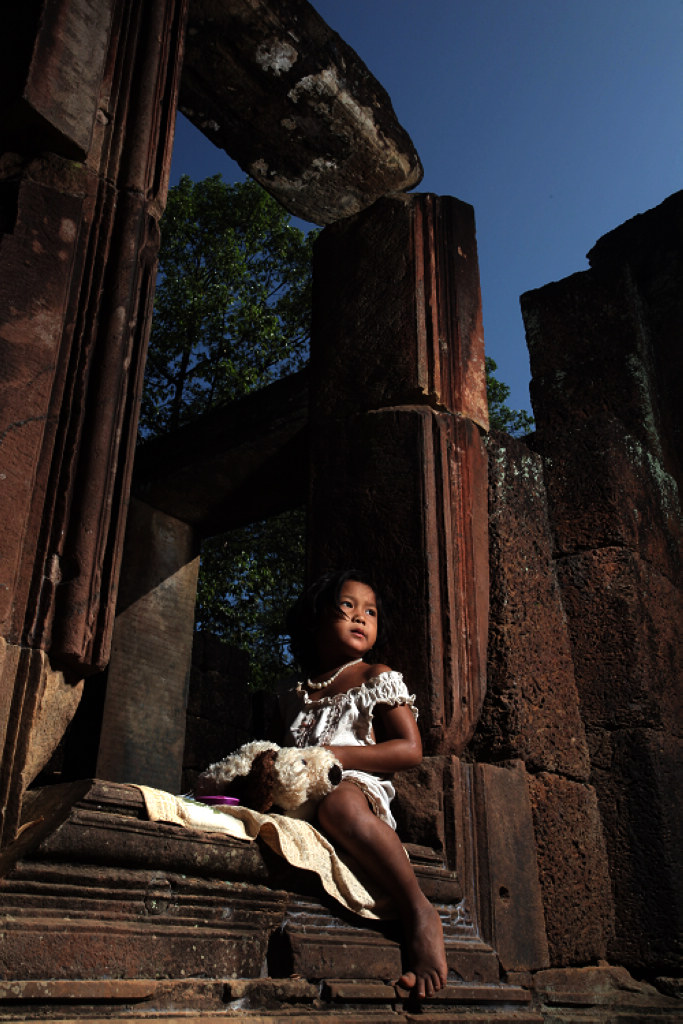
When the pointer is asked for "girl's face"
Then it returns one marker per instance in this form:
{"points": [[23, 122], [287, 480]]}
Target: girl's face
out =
{"points": [[353, 631]]}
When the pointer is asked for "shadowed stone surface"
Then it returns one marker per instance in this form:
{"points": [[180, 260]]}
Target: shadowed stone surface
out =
{"points": [[650, 245], [610, 992], [419, 804], [51, 78], [531, 710], [50, 703], [573, 869], [606, 349], [605, 346], [517, 927], [151, 653], [638, 777], [293, 104], [624, 620]]}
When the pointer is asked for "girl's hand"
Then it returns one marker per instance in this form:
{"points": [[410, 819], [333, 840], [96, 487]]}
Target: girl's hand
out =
{"points": [[399, 748]]}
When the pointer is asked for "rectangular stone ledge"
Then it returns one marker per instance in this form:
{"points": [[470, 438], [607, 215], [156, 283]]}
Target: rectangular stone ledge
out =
{"points": [[99, 823], [98, 831]]}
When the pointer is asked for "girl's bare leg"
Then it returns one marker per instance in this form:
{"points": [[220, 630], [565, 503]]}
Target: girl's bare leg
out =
{"points": [[346, 817]]}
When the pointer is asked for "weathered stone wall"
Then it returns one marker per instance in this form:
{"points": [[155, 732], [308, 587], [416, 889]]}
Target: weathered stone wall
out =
{"points": [[606, 351], [531, 712], [86, 128]]}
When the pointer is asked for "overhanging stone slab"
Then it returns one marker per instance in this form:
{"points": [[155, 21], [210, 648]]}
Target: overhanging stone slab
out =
{"points": [[269, 82]]}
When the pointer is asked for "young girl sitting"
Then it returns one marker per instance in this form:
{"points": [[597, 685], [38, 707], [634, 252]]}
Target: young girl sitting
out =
{"points": [[366, 716]]}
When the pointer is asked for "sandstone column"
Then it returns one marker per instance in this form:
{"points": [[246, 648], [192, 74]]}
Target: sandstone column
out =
{"points": [[398, 472]]}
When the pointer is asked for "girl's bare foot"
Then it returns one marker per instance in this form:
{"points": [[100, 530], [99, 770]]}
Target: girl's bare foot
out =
{"points": [[425, 952]]}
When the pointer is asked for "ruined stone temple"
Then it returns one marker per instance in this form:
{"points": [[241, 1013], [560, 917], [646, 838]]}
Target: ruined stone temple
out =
{"points": [[541, 576]]}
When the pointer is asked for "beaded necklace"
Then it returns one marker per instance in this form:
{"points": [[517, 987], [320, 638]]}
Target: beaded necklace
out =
{"points": [[328, 682]]}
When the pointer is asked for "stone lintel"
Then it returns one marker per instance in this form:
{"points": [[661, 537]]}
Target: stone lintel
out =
{"points": [[239, 462], [269, 82]]}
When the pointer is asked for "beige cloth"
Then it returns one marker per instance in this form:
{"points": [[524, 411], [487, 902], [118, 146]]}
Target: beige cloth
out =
{"points": [[299, 842]]}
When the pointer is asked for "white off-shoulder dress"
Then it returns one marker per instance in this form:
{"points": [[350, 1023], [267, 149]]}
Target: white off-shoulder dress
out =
{"points": [[345, 720]]}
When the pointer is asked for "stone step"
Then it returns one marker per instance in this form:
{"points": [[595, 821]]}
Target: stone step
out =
{"points": [[293, 1000]]}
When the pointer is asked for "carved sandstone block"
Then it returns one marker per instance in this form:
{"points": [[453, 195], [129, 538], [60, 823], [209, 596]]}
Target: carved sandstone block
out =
{"points": [[30, 734], [604, 349], [56, 65], [508, 868], [43, 244]]}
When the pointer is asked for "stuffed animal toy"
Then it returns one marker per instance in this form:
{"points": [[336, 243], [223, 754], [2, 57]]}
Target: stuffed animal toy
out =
{"points": [[264, 776]]}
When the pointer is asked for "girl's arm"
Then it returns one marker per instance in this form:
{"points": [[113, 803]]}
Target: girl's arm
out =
{"points": [[400, 747]]}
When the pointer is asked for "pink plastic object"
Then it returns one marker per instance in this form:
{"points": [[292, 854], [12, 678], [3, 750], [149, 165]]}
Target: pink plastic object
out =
{"points": [[218, 799]]}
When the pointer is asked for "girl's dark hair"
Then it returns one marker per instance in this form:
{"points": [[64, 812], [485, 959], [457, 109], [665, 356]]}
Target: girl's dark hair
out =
{"points": [[324, 596]]}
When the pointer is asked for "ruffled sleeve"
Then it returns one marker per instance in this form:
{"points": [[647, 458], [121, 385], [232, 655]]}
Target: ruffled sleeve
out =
{"points": [[388, 688]]}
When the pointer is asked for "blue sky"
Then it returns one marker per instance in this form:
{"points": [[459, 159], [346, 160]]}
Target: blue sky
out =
{"points": [[557, 120]]}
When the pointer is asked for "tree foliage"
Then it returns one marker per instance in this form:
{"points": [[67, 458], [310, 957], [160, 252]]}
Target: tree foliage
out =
{"points": [[232, 313], [248, 580], [232, 306], [513, 421]]}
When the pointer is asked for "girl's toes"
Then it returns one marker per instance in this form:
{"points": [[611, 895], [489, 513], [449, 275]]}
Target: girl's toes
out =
{"points": [[407, 980]]}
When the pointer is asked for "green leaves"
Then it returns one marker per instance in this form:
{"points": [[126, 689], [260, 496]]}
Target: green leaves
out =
{"points": [[248, 579], [232, 307], [516, 422]]}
